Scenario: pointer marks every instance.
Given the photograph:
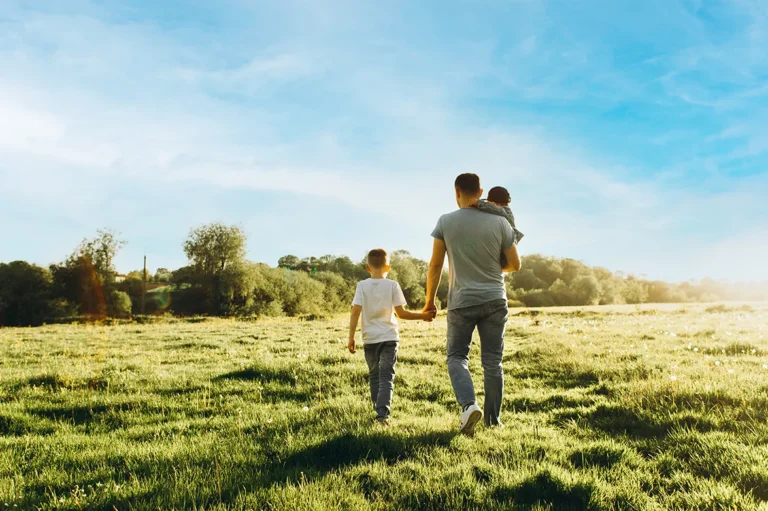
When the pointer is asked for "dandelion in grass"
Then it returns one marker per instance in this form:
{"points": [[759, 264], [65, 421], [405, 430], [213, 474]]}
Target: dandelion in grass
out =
{"points": [[306, 409], [695, 350], [673, 377], [765, 366], [717, 362], [731, 371]]}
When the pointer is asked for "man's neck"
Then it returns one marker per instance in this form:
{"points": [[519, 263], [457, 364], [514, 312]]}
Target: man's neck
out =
{"points": [[467, 202]]}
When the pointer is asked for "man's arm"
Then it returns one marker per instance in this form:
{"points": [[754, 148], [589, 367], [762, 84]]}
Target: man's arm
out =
{"points": [[512, 259], [353, 320], [404, 314], [434, 273]]}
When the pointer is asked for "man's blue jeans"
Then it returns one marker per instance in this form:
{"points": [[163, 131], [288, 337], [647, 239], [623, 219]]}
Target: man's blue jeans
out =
{"points": [[490, 319]]}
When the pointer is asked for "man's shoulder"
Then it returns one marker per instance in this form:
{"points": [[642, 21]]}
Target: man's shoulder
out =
{"points": [[458, 214], [472, 215]]}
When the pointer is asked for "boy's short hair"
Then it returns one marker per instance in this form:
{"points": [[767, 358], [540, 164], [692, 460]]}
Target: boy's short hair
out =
{"points": [[468, 183], [378, 258], [499, 195]]}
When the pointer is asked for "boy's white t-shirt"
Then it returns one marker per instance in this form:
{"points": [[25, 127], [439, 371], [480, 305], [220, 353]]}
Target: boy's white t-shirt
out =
{"points": [[378, 298]]}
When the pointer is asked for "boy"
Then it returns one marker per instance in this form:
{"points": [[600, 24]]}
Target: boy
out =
{"points": [[498, 204], [379, 299]]}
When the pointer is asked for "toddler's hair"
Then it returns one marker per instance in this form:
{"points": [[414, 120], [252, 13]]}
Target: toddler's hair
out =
{"points": [[499, 195], [378, 258]]}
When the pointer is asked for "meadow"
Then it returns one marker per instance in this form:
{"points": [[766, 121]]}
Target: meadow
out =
{"points": [[605, 408]]}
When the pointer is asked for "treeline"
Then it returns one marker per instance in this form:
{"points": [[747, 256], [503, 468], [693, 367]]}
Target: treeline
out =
{"points": [[549, 281], [220, 281]]}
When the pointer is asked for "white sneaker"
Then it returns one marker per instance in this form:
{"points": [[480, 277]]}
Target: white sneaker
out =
{"points": [[469, 419]]}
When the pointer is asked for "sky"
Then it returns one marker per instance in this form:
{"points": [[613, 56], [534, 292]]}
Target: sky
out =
{"points": [[631, 135]]}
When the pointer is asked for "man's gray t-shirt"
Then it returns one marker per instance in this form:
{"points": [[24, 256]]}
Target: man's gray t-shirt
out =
{"points": [[475, 243]]}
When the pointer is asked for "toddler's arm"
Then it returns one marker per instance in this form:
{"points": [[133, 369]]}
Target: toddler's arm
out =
{"points": [[404, 314], [489, 207], [353, 320], [505, 211]]}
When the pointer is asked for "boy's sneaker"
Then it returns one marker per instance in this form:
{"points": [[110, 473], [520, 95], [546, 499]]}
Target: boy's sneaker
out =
{"points": [[469, 418], [382, 421]]}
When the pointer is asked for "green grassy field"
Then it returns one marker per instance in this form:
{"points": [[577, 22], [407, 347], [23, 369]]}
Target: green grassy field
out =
{"points": [[621, 408]]}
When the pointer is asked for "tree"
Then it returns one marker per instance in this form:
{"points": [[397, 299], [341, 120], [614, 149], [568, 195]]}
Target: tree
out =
{"points": [[526, 279], [290, 261], [586, 290], [411, 275], [101, 251], [163, 275], [634, 290], [119, 304], [79, 284], [212, 249], [25, 294]]}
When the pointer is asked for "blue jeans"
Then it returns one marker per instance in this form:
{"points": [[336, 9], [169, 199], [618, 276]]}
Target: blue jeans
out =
{"points": [[381, 359], [490, 319]]}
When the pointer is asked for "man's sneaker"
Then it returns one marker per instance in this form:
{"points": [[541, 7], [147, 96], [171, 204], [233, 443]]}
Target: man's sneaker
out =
{"points": [[382, 421], [469, 418]]}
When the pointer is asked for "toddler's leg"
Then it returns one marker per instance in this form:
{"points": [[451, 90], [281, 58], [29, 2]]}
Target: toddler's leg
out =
{"points": [[387, 361], [372, 359]]}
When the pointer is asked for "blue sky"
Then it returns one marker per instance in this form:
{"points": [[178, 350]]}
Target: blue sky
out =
{"points": [[632, 135]]}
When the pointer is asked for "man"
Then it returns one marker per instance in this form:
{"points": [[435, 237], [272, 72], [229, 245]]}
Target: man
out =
{"points": [[477, 298]]}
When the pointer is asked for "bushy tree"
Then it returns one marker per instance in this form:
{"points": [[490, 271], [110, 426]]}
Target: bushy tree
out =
{"points": [[101, 252], [527, 280], [634, 291], [119, 304], [25, 294], [212, 249], [585, 290], [78, 282]]}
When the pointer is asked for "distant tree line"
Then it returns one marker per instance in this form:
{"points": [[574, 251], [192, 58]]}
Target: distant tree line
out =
{"points": [[549, 281], [220, 281]]}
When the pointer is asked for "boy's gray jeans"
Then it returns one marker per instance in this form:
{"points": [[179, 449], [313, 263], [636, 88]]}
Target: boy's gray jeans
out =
{"points": [[490, 319], [381, 358]]}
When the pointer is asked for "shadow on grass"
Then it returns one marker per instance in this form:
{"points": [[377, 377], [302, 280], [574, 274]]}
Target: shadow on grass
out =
{"points": [[20, 425], [350, 449], [550, 403], [600, 455], [114, 416], [262, 374], [620, 420], [546, 489]]}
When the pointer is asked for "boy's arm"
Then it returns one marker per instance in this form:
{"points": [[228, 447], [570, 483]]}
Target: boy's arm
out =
{"points": [[353, 320], [404, 314]]}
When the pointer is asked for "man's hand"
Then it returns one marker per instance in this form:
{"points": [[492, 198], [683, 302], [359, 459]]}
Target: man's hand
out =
{"points": [[351, 345], [430, 310]]}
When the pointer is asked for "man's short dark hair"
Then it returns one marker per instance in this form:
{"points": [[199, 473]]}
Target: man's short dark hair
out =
{"points": [[378, 258], [499, 195], [468, 183]]}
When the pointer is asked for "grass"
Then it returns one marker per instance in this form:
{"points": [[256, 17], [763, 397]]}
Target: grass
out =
{"points": [[606, 408]]}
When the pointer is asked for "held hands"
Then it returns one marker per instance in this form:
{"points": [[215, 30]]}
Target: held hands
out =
{"points": [[351, 345], [430, 312]]}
